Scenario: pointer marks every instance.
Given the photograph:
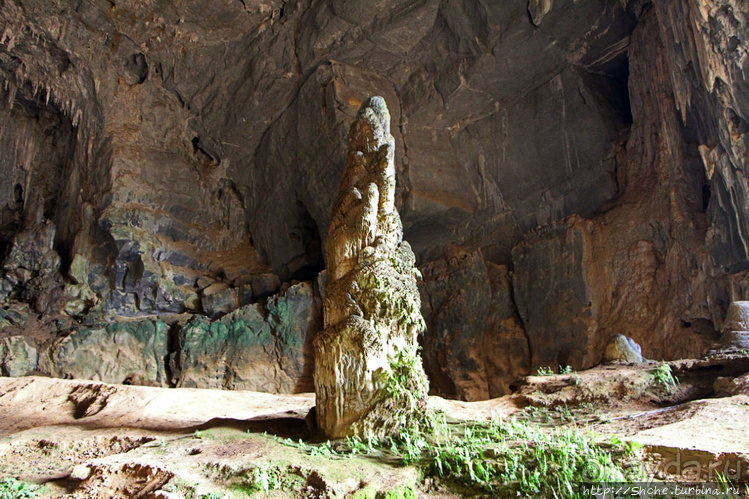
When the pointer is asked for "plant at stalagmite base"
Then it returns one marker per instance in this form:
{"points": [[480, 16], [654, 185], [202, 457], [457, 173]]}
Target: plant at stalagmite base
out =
{"points": [[507, 458]]}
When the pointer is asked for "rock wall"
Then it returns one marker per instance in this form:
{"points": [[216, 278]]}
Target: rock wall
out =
{"points": [[566, 171], [260, 347]]}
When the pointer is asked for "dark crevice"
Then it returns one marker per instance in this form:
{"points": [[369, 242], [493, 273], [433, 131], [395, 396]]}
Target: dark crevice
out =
{"points": [[136, 68], [307, 235], [172, 364], [609, 86]]}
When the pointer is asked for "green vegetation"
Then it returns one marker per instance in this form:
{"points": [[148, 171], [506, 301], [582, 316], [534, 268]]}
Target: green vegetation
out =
{"points": [[400, 493], [12, 488], [544, 371], [263, 479], [664, 378], [506, 458], [406, 492]]}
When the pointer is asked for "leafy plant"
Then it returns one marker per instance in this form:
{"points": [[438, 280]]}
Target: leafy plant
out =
{"points": [[664, 378], [324, 449], [12, 488], [565, 370], [544, 371], [262, 478]]}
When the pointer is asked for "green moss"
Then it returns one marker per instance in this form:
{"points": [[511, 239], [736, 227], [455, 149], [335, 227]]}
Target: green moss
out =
{"points": [[365, 493], [407, 492]]}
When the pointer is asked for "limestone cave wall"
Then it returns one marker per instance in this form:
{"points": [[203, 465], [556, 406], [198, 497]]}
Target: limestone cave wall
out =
{"points": [[566, 171]]}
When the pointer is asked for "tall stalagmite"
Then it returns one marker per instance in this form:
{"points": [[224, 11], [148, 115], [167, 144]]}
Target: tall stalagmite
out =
{"points": [[369, 379]]}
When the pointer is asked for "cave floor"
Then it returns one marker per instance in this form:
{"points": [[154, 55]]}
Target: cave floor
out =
{"points": [[88, 439]]}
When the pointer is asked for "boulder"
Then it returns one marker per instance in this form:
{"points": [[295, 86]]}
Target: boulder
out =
{"points": [[623, 349], [219, 299], [244, 290], [728, 387], [18, 356]]}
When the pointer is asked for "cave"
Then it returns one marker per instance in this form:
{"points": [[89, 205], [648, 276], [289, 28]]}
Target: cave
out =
{"points": [[571, 178]]}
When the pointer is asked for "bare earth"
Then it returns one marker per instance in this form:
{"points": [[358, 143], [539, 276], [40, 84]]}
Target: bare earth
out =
{"points": [[87, 439]]}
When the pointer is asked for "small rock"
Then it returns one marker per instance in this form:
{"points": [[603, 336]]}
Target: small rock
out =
{"points": [[163, 494], [214, 288], [264, 285], [244, 290], [75, 308], [623, 349], [234, 273], [192, 302], [17, 314], [728, 387], [204, 282], [80, 472], [219, 302]]}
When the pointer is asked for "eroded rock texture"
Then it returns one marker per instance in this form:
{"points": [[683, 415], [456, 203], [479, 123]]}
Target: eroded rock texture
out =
{"points": [[596, 150], [264, 349], [369, 378]]}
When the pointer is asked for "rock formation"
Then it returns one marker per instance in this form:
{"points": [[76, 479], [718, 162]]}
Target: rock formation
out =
{"points": [[369, 379]]}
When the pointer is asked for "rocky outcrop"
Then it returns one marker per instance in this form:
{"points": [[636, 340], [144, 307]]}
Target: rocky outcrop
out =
{"points": [[259, 348], [265, 347], [728, 387], [115, 353], [474, 347], [369, 378], [18, 356]]}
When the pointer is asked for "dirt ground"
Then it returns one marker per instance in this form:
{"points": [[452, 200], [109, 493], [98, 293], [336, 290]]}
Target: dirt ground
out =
{"points": [[82, 439]]}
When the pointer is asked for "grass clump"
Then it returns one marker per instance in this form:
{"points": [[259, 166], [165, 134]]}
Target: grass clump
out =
{"points": [[664, 378], [514, 458], [12, 488], [505, 458]]}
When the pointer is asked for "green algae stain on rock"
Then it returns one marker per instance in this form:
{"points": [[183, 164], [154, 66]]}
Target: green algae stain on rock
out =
{"points": [[115, 353], [253, 348]]}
